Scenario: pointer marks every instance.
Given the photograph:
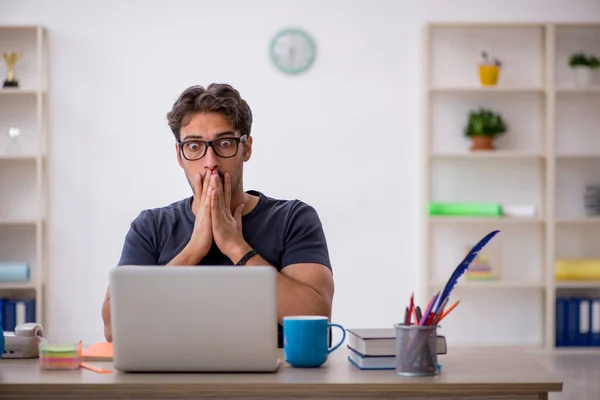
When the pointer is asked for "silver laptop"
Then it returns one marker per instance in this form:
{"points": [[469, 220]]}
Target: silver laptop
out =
{"points": [[194, 319]]}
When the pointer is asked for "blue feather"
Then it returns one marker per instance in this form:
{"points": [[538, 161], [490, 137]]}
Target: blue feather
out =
{"points": [[462, 267]]}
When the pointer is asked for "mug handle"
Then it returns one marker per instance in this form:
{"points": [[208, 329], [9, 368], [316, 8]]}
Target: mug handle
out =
{"points": [[341, 341]]}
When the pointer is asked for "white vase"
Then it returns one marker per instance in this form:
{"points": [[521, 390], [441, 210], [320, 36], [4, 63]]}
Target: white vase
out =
{"points": [[584, 76]]}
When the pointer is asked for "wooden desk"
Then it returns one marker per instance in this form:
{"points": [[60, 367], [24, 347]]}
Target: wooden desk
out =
{"points": [[484, 373]]}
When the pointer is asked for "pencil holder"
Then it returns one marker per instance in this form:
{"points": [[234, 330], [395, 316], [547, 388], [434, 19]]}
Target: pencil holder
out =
{"points": [[59, 355], [416, 350]]}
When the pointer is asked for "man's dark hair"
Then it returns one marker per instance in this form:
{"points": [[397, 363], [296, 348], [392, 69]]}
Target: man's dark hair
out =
{"points": [[217, 97]]}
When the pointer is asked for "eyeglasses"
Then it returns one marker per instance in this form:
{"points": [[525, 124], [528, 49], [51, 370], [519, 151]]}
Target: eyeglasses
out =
{"points": [[193, 150]]}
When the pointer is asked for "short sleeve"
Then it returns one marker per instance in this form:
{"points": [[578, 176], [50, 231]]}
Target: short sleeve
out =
{"points": [[304, 240], [139, 247]]}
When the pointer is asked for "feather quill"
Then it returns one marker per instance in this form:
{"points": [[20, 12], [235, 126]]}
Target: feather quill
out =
{"points": [[462, 267]]}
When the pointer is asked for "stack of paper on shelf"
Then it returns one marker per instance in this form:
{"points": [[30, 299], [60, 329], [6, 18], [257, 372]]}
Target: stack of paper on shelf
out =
{"points": [[577, 269]]}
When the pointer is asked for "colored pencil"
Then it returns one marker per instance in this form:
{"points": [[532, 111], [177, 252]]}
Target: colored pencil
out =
{"points": [[452, 307]]}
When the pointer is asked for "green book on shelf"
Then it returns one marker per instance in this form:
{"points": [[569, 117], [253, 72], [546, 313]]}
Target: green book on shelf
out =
{"points": [[465, 209]]}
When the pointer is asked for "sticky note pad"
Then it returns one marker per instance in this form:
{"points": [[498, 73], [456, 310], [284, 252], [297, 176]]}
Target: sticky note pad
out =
{"points": [[59, 356]]}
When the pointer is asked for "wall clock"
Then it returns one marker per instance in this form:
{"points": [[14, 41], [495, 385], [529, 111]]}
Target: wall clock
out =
{"points": [[292, 51]]}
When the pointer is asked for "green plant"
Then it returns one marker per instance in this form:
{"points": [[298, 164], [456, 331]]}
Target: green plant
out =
{"points": [[582, 60], [484, 122]]}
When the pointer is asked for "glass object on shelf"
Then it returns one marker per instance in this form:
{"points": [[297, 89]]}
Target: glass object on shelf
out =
{"points": [[14, 145]]}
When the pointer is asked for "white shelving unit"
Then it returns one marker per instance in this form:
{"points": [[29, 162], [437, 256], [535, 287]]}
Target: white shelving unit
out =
{"points": [[550, 152], [23, 191]]}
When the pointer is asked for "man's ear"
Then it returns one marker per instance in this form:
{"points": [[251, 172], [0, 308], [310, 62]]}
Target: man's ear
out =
{"points": [[179, 161], [248, 148]]}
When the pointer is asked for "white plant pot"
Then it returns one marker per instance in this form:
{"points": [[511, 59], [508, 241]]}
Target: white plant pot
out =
{"points": [[584, 76]]}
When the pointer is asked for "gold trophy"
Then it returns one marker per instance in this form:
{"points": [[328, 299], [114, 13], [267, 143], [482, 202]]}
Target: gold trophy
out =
{"points": [[11, 60]]}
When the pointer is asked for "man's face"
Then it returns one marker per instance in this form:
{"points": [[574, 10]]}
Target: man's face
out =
{"points": [[204, 127]]}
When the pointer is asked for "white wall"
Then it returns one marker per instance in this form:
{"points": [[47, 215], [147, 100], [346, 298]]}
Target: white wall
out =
{"points": [[117, 66]]}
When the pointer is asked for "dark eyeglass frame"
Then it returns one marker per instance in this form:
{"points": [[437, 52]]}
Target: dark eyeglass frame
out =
{"points": [[210, 143]]}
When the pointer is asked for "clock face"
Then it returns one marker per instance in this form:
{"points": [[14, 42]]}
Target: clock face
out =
{"points": [[292, 51]]}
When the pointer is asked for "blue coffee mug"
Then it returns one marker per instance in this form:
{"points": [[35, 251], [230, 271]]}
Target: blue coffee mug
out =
{"points": [[306, 340]]}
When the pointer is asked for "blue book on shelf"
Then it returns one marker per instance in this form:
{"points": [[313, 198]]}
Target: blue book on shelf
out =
{"points": [[595, 322], [572, 321], [583, 338], [8, 315], [561, 322]]}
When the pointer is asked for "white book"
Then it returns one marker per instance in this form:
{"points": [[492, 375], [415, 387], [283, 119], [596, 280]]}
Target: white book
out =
{"points": [[519, 210]]}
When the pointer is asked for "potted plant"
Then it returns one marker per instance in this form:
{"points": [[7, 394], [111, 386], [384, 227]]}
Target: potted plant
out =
{"points": [[483, 126], [584, 67], [489, 70]]}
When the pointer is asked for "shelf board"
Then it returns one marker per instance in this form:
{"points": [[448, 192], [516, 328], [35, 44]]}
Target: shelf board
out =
{"points": [[577, 350], [18, 286], [578, 155], [20, 221], [484, 220], [577, 284], [495, 154], [490, 25], [475, 89], [578, 89], [7, 27], [578, 221], [32, 157], [18, 92], [497, 284]]}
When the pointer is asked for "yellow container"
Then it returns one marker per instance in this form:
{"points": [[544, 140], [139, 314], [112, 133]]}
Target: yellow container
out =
{"points": [[488, 75]]}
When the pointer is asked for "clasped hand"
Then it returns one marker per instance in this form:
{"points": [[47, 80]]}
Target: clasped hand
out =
{"points": [[214, 219]]}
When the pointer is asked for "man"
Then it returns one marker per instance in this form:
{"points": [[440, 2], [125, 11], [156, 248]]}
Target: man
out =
{"points": [[221, 224]]}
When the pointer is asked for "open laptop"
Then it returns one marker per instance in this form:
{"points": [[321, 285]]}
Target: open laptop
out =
{"points": [[194, 319]]}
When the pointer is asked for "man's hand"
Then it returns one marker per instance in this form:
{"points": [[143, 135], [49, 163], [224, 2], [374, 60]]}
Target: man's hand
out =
{"points": [[201, 239], [226, 227]]}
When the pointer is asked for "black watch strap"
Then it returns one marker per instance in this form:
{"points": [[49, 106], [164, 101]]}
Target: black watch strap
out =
{"points": [[247, 256]]}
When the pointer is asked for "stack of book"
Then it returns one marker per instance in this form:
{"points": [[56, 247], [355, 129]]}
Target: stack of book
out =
{"points": [[376, 348], [372, 348]]}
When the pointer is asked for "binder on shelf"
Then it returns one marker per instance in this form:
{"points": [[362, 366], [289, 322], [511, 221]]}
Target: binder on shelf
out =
{"points": [[595, 322], [561, 322], [577, 322], [15, 312]]}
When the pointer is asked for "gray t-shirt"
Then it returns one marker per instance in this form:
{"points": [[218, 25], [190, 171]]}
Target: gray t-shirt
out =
{"points": [[284, 232]]}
